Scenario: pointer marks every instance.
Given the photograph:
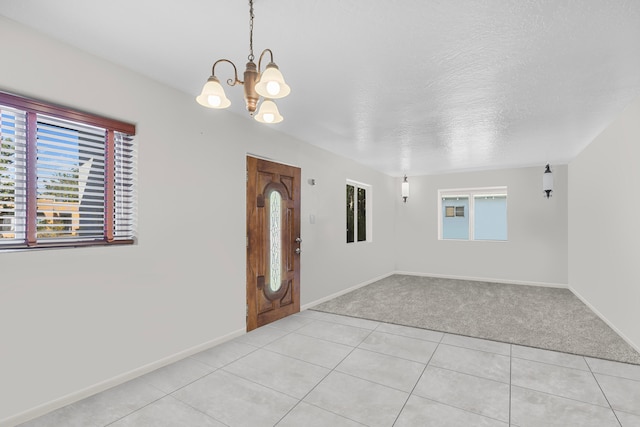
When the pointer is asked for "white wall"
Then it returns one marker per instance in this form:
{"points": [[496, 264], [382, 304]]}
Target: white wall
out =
{"points": [[604, 231], [536, 250], [71, 319]]}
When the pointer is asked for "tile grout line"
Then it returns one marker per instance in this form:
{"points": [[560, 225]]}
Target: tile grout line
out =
{"points": [[471, 375], [321, 380], [460, 373], [198, 410], [137, 410], [215, 369], [563, 397], [603, 393], [550, 364], [460, 409], [416, 384]]}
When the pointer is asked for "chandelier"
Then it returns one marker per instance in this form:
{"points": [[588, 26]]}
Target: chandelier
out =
{"points": [[270, 84]]}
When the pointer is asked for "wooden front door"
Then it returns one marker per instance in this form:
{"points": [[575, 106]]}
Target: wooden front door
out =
{"points": [[273, 241]]}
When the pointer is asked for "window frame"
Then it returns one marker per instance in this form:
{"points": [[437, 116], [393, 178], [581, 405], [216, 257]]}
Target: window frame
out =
{"points": [[35, 108], [471, 194], [368, 211]]}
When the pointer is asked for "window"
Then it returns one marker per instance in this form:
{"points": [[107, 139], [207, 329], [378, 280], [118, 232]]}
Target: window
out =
{"points": [[358, 212], [485, 209], [453, 211], [66, 177]]}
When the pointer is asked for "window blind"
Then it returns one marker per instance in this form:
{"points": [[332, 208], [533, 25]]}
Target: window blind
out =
{"points": [[125, 195], [71, 180], [13, 178]]}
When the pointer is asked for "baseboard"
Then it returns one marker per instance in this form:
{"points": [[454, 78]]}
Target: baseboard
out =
{"points": [[485, 279], [605, 320], [344, 291], [112, 382]]}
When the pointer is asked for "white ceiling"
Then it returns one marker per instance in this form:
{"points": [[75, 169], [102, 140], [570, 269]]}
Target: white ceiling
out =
{"points": [[403, 86]]}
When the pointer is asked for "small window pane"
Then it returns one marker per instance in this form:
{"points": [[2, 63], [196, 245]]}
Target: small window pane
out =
{"points": [[71, 180], [455, 227], [490, 220], [449, 211], [362, 215], [350, 213]]}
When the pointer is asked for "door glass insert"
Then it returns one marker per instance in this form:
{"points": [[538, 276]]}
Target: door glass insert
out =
{"points": [[275, 240]]}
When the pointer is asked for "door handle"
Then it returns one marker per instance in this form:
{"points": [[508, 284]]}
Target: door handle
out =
{"points": [[298, 240], [298, 251]]}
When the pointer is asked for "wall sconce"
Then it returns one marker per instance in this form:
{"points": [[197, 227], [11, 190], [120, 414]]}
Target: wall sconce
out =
{"points": [[547, 181], [405, 189]]}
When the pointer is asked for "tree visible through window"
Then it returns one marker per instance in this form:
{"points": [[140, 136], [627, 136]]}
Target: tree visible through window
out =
{"points": [[357, 212]]}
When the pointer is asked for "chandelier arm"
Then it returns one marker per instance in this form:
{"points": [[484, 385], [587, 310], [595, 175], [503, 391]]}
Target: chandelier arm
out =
{"points": [[230, 82], [261, 55]]}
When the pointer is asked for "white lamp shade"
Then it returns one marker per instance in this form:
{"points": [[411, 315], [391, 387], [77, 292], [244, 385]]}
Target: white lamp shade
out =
{"points": [[212, 95], [547, 181], [268, 112], [405, 189], [271, 83]]}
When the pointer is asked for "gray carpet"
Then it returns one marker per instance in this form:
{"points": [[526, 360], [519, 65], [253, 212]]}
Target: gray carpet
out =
{"points": [[547, 318]]}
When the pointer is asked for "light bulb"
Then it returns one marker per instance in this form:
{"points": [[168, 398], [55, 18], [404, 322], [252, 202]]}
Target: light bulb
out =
{"points": [[214, 100], [273, 88], [268, 117]]}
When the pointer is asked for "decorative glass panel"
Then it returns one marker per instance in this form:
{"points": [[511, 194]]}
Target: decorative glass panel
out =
{"points": [[275, 241]]}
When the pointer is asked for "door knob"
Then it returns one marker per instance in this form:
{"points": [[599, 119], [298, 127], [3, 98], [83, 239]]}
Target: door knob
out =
{"points": [[298, 240], [298, 251]]}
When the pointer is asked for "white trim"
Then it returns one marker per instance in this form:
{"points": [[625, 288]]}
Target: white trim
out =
{"points": [[76, 396], [605, 320], [344, 291], [486, 279]]}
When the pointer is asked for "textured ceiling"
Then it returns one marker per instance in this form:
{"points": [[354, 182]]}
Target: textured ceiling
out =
{"points": [[404, 86]]}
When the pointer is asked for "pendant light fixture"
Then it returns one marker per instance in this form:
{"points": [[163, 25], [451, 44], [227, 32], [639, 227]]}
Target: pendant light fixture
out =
{"points": [[547, 181], [270, 84]]}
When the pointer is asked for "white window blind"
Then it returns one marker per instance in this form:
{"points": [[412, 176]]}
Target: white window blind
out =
{"points": [[125, 196], [71, 180], [13, 178]]}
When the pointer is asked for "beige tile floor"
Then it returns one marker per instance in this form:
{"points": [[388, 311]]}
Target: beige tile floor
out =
{"points": [[319, 369]]}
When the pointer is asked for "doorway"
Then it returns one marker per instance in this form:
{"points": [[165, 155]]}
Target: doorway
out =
{"points": [[273, 241]]}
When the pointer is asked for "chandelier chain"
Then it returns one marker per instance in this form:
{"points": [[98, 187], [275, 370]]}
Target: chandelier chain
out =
{"points": [[251, 16]]}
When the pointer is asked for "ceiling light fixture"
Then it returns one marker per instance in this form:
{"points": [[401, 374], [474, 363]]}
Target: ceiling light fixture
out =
{"points": [[270, 84]]}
